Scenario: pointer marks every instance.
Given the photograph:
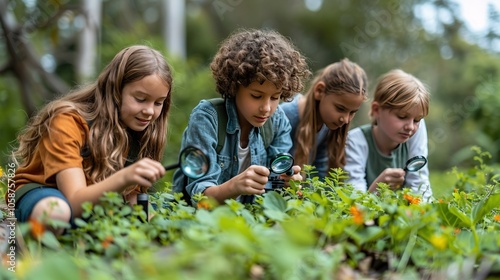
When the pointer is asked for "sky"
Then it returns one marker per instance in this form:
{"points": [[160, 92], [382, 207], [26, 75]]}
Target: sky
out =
{"points": [[475, 13]]}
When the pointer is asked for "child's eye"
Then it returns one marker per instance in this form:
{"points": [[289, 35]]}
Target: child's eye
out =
{"points": [[140, 99], [274, 98], [256, 96], [158, 103]]}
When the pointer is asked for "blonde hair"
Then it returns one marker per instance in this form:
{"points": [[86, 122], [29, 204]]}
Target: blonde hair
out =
{"points": [[99, 104], [343, 77], [398, 90]]}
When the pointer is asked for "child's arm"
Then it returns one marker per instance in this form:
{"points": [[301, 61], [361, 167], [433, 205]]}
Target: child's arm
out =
{"points": [[356, 152], [71, 182]]}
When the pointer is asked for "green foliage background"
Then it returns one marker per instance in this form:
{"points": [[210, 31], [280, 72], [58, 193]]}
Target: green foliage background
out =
{"points": [[379, 35]]}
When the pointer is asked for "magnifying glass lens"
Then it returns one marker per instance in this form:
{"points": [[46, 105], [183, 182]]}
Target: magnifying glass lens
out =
{"points": [[281, 164], [416, 163], [194, 163]]}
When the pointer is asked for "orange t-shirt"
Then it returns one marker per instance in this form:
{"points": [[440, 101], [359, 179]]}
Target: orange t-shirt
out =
{"points": [[58, 150]]}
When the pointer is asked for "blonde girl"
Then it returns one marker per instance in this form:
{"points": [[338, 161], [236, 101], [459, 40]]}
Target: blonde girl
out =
{"points": [[377, 152]]}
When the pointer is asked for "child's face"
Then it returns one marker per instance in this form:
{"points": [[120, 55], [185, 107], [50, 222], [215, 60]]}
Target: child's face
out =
{"points": [[257, 103], [397, 126], [142, 102], [337, 110]]}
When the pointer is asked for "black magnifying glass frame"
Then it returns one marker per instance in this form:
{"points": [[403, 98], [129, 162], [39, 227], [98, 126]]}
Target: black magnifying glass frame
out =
{"points": [[415, 163]]}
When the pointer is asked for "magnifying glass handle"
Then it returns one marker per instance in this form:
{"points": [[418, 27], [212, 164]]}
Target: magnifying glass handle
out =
{"points": [[143, 200], [172, 166], [245, 199]]}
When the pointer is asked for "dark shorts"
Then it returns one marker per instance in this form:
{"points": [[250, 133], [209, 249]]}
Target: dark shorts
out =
{"points": [[25, 205]]}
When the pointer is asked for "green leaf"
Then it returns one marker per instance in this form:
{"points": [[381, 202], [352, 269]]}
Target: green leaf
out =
{"points": [[448, 217], [367, 234], [49, 240], [460, 215], [274, 201], [343, 196], [485, 206]]}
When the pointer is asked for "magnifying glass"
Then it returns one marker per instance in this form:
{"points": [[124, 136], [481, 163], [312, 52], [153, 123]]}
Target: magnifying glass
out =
{"points": [[193, 163], [282, 163], [415, 163]]}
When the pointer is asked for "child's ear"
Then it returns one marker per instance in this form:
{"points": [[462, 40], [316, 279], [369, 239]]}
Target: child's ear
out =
{"points": [[319, 90], [375, 108]]}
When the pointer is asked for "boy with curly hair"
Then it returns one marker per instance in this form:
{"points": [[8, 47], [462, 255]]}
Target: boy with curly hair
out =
{"points": [[253, 71]]}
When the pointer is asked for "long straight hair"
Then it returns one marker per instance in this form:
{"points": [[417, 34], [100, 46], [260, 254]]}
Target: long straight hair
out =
{"points": [[343, 77], [99, 104]]}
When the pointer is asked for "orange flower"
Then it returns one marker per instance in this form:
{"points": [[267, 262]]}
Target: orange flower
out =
{"points": [[496, 217], [107, 241], [299, 193], [37, 228], [456, 231], [412, 199], [440, 200], [204, 204], [356, 215]]}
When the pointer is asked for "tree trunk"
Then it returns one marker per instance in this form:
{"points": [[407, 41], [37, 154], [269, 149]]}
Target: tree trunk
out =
{"points": [[88, 41]]}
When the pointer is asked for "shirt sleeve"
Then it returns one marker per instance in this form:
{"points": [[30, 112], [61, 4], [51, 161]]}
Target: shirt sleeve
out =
{"points": [[282, 141], [61, 147], [201, 132], [356, 157], [418, 146]]}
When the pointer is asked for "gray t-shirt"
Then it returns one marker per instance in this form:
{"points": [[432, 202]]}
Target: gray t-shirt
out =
{"points": [[320, 162]]}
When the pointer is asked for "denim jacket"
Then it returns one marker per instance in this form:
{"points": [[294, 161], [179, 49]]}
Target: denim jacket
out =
{"points": [[202, 132]]}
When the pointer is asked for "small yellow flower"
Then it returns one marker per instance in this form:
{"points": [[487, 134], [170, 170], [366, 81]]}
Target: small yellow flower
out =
{"points": [[496, 217], [439, 241], [1, 171]]}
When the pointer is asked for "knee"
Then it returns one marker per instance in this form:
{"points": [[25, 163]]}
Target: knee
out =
{"points": [[51, 208]]}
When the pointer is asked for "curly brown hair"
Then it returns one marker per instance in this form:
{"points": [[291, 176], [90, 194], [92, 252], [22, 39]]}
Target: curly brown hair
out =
{"points": [[250, 55]]}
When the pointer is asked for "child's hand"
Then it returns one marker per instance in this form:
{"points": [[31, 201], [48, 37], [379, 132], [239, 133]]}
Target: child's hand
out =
{"points": [[252, 180], [295, 177], [394, 177], [143, 173]]}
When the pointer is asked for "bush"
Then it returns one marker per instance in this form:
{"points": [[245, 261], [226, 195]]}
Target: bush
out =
{"points": [[316, 230]]}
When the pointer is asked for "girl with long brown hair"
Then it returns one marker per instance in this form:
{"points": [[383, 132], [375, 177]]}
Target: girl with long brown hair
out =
{"points": [[105, 136]]}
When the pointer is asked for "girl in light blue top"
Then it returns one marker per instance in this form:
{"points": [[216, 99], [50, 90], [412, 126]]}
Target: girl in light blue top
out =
{"points": [[320, 118], [377, 152], [253, 71]]}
